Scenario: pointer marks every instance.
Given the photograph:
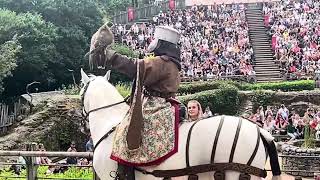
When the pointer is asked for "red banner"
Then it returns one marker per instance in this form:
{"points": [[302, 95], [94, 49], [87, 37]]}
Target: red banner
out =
{"points": [[130, 13], [172, 4]]}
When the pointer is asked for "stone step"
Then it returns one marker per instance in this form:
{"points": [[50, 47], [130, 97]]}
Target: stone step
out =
{"points": [[273, 77], [253, 14], [268, 70], [263, 57], [252, 18], [257, 28], [269, 80], [262, 48], [268, 74], [256, 25], [265, 62], [258, 36], [260, 42]]}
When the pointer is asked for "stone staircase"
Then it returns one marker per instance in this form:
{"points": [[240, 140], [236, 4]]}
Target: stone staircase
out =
{"points": [[266, 69]]}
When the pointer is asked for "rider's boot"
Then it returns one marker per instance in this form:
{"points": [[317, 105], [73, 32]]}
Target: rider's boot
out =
{"points": [[125, 172]]}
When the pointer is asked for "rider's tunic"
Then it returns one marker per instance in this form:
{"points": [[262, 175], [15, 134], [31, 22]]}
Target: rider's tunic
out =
{"points": [[157, 79]]}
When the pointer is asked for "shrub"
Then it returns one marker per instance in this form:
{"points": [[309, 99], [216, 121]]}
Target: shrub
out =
{"points": [[222, 101], [72, 172], [261, 98], [283, 86], [124, 89], [194, 87]]}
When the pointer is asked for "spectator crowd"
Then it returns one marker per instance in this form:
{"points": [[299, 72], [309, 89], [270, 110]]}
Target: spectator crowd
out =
{"points": [[284, 122], [214, 39], [295, 29]]}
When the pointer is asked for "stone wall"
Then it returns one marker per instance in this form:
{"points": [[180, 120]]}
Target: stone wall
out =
{"points": [[301, 159], [299, 101]]}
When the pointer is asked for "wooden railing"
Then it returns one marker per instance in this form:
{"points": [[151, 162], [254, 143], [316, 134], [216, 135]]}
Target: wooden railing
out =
{"points": [[32, 167], [146, 11], [8, 117]]}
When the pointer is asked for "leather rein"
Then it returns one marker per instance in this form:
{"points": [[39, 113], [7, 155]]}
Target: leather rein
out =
{"points": [[86, 114]]}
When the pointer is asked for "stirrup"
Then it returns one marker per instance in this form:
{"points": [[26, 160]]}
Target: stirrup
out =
{"points": [[193, 177], [244, 176], [219, 175]]}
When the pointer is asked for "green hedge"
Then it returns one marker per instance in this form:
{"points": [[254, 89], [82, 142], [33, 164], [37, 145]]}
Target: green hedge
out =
{"points": [[262, 98], [222, 101], [282, 86], [195, 87]]}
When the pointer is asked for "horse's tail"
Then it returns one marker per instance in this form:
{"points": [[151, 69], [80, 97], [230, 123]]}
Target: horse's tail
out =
{"points": [[273, 154]]}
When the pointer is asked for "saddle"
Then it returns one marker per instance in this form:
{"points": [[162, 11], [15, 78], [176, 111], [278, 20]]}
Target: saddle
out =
{"points": [[246, 170]]}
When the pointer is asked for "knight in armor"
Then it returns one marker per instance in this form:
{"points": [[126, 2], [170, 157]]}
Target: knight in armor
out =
{"points": [[147, 135]]}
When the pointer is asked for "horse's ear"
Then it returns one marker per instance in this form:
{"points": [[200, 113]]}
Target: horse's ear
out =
{"points": [[107, 76], [84, 77]]}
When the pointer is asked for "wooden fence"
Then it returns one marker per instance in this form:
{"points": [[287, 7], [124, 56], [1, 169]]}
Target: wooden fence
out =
{"points": [[146, 11], [9, 115], [32, 167]]}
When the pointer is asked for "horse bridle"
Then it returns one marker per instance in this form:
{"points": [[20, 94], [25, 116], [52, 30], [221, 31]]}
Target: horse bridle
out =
{"points": [[86, 114]]}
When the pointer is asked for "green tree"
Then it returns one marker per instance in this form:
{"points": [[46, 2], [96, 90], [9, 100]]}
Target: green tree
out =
{"points": [[8, 58], [113, 6], [36, 38], [74, 22]]}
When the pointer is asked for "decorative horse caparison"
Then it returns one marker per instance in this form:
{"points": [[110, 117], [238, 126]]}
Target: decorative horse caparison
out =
{"points": [[98, 92]]}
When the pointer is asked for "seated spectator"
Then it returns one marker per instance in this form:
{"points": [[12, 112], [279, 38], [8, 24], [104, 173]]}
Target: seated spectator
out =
{"points": [[194, 111], [211, 45], [291, 130], [269, 112], [89, 145], [207, 113], [300, 129], [295, 30], [269, 124], [72, 148], [44, 160], [281, 126]]}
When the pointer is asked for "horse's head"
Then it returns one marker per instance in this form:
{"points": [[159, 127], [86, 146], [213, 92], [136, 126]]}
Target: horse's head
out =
{"points": [[98, 96]]}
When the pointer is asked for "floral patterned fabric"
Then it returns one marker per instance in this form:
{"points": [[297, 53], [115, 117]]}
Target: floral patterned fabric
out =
{"points": [[158, 135]]}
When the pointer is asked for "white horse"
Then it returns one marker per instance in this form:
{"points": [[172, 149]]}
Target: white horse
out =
{"points": [[98, 92]]}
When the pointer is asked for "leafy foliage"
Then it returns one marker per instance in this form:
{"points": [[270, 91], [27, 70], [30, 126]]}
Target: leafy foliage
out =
{"points": [[36, 38], [72, 172], [262, 98], [224, 100], [113, 6], [282, 86], [8, 58], [191, 88], [54, 36], [123, 89]]}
